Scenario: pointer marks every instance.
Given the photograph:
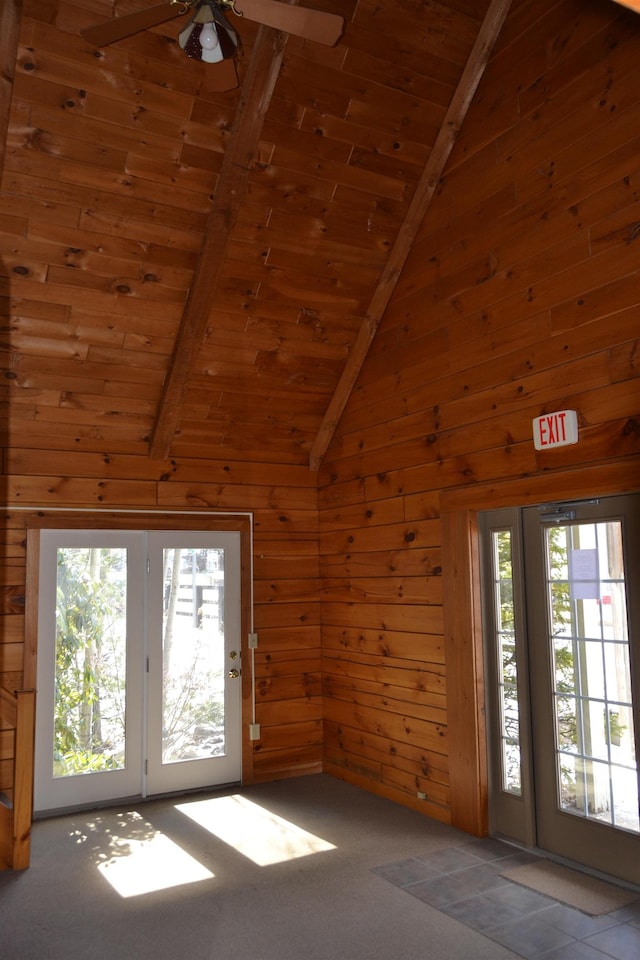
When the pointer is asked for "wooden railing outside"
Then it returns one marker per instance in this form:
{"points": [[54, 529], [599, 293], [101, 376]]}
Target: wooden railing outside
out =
{"points": [[17, 713]]}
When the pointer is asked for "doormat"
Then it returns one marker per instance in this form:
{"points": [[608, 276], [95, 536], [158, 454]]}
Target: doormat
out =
{"points": [[579, 890]]}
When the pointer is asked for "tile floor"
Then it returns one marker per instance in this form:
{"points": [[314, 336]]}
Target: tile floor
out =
{"points": [[464, 882]]}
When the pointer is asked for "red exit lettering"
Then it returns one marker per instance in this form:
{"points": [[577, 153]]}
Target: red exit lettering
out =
{"points": [[555, 429], [552, 429]]}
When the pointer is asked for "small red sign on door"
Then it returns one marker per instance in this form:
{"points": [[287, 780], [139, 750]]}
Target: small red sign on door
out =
{"points": [[557, 429]]}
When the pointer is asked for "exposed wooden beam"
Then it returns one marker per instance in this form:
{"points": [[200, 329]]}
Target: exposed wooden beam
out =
{"points": [[10, 14], [425, 190], [257, 90], [632, 4]]}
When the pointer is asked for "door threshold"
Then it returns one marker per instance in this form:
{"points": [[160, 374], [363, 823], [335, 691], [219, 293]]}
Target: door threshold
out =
{"points": [[137, 800]]}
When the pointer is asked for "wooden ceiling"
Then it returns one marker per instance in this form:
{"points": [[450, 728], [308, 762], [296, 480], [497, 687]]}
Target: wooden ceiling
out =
{"points": [[200, 274]]}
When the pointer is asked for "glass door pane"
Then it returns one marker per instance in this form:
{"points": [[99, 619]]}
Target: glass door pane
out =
{"points": [[505, 635], [511, 812], [593, 707], [582, 599], [90, 660], [88, 717], [193, 655], [194, 715]]}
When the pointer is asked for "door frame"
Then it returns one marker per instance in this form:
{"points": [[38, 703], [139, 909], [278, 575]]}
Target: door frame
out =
{"points": [[532, 815], [462, 611], [133, 520], [511, 814]]}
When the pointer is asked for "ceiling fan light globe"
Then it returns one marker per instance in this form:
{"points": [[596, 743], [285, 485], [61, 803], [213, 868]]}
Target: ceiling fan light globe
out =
{"points": [[209, 38], [211, 49]]}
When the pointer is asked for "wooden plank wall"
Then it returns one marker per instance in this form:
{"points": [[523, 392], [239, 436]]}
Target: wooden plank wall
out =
{"points": [[286, 589], [10, 14], [521, 296]]}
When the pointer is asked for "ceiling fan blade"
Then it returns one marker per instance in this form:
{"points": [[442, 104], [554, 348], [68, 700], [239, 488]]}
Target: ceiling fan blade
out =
{"points": [[117, 29], [221, 76], [300, 21]]}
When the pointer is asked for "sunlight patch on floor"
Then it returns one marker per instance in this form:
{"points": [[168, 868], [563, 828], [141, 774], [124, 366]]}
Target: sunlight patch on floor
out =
{"points": [[253, 831], [144, 865]]}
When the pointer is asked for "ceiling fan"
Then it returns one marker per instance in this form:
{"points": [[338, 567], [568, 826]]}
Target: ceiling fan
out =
{"points": [[210, 36]]}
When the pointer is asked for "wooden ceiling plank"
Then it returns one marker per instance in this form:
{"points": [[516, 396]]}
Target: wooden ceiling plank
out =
{"points": [[631, 4], [467, 86], [257, 90], [10, 14]]}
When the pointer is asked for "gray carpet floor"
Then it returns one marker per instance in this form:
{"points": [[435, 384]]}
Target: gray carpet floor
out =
{"points": [[281, 871]]}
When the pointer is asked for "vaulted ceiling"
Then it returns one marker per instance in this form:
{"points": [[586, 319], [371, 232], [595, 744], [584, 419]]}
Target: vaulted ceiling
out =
{"points": [[196, 272]]}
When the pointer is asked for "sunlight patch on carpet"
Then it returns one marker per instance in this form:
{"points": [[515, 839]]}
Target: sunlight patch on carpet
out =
{"points": [[253, 831], [145, 864]]}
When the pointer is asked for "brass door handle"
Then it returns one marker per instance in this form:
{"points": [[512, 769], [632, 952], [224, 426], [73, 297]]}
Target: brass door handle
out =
{"points": [[234, 674]]}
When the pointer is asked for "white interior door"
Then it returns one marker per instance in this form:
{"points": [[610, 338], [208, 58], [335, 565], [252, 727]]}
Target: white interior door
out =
{"points": [[139, 688]]}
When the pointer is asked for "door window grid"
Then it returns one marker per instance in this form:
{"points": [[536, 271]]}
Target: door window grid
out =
{"points": [[594, 729]]}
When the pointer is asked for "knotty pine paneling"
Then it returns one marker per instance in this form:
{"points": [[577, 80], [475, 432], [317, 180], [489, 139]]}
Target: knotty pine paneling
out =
{"points": [[286, 588], [520, 296], [113, 158]]}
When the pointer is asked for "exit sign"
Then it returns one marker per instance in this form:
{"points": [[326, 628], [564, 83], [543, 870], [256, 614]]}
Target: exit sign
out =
{"points": [[557, 429]]}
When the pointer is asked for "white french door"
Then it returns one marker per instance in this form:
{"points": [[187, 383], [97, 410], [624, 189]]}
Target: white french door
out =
{"points": [[139, 689], [194, 689], [562, 587]]}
